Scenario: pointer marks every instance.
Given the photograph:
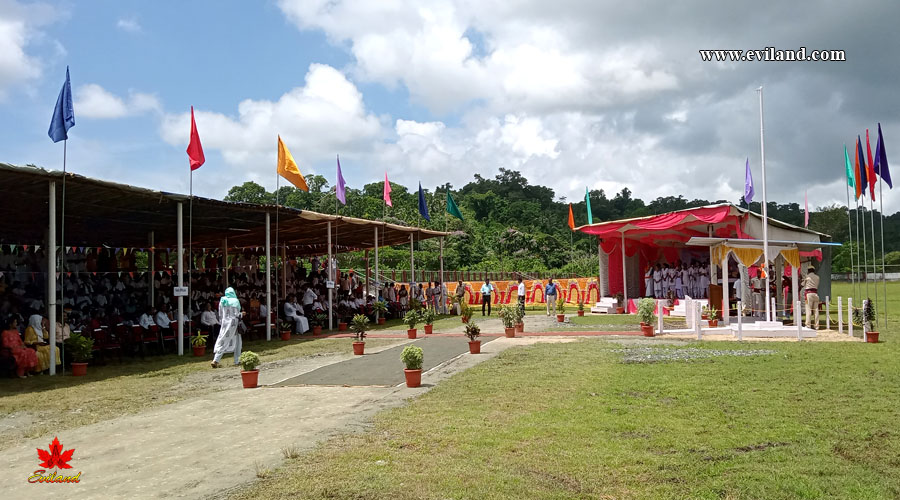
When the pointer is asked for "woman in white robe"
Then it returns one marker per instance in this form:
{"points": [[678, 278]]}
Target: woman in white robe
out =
{"points": [[294, 313], [230, 316]]}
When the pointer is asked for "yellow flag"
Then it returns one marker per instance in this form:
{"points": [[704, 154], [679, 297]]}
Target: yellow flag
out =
{"points": [[287, 167]]}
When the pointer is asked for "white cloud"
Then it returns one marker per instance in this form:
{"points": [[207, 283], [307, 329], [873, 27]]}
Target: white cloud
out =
{"points": [[19, 29], [324, 117], [93, 101], [129, 25]]}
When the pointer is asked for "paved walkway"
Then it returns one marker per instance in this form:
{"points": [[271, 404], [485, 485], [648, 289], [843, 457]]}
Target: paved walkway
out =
{"points": [[383, 368], [206, 446]]}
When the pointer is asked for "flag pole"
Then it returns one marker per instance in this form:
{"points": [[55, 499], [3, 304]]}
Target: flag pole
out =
{"points": [[865, 252], [277, 205], [765, 221], [190, 243], [850, 237], [883, 267], [874, 256], [62, 247], [860, 256]]}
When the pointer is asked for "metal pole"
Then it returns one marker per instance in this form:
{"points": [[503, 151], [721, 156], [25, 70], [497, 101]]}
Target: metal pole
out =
{"points": [[331, 279], [850, 237], [441, 280], [726, 310], [740, 319], [795, 291], [765, 221], [799, 323], [377, 277], [883, 267], [180, 281], [874, 255], [865, 252], [850, 316], [268, 276], [412, 263], [51, 277], [624, 278]]}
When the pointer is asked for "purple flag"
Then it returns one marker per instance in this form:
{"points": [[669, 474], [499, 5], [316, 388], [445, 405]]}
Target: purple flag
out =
{"points": [[341, 189], [881, 163], [748, 183]]}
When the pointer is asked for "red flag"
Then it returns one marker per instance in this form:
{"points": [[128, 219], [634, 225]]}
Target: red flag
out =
{"points": [[870, 167], [571, 218], [195, 149], [858, 183]]}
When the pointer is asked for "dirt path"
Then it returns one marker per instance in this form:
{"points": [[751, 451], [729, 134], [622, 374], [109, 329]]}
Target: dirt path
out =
{"points": [[207, 446]]}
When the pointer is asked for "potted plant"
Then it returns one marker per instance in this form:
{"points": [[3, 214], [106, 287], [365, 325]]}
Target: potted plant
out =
{"points": [[319, 320], [428, 317], [508, 317], [411, 319], [249, 362], [359, 325], [869, 318], [412, 359], [380, 309], [286, 327], [645, 309], [520, 319], [712, 314], [198, 344], [473, 332], [580, 307], [342, 325], [560, 309], [465, 311], [620, 303], [80, 348]]}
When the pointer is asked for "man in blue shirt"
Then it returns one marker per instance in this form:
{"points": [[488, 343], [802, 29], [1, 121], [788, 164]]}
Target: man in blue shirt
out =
{"points": [[550, 296], [486, 290]]}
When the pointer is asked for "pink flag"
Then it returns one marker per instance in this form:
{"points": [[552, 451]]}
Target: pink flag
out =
{"points": [[806, 206], [194, 149], [387, 192]]}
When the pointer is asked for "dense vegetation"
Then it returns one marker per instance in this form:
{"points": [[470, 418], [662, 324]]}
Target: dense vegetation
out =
{"points": [[512, 225]]}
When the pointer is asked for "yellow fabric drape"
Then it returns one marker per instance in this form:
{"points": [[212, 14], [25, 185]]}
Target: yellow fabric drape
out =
{"points": [[746, 256], [792, 256]]}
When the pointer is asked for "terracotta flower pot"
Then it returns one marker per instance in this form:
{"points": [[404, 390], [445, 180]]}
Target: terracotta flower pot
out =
{"points": [[713, 323], [704, 316], [342, 327], [285, 335], [510, 332], [871, 337], [317, 330], [429, 329], [520, 328], [199, 350], [358, 348], [581, 313], [560, 318], [413, 377], [411, 333], [475, 347], [620, 310], [250, 379], [647, 330], [465, 319], [381, 321], [79, 369]]}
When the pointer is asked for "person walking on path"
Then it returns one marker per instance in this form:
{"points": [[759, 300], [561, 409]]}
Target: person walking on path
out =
{"points": [[550, 296], [521, 295], [486, 290], [230, 316], [811, 293]]}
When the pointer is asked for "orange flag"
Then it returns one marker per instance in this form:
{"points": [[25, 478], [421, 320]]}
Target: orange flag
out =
{"points": [[287, 167], [571, 218]]}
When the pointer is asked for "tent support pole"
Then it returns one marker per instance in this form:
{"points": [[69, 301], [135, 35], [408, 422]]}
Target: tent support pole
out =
{"points": [[180, 280], [268, 277], [51, 276], [377, 278], [331, 279], [624, 276]]}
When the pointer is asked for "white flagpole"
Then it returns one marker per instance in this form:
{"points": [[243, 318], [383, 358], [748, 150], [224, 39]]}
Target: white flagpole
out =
{"points": [[850, 237], [765, 221], [62, 273], [874, 256], [865, 252], [859, 255], [883, 271]]}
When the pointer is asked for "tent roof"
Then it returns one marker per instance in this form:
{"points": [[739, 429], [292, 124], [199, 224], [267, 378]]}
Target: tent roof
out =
{"points": [[119, 215], [676, 228]]}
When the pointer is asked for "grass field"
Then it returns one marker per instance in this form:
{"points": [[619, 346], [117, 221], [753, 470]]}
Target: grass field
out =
{"points": [[810, 420], [65, 402]]}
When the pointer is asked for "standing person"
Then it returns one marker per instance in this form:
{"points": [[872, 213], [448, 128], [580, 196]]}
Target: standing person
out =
{"points": [[811, 293], [679, 283], [460, 296], [550, 296], [648, 281], [521, 296], [658, 282], [756, 295], [440, 300], [486, 290], [229, 338]]}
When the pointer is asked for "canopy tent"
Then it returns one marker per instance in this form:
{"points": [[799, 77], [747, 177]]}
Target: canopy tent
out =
{"points": [[666, 237], [101, 213]]}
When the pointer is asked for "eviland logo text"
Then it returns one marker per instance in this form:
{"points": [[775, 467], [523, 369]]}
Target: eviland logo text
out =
{"points": [[52, 458]]}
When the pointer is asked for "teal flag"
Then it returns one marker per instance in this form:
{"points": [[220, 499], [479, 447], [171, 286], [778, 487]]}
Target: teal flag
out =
{"points": [[452, 208], [587, 201], [849, 168]]}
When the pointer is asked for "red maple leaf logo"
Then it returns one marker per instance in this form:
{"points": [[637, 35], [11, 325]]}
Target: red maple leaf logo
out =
{"points": [[55, 457]]}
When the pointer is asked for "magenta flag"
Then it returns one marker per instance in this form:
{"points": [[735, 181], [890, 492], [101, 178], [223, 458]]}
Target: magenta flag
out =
{"points": [[341, 189], [195, 149], [387, 192]]}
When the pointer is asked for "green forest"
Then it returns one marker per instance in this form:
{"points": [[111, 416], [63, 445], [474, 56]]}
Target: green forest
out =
{"points": [[511, 225]]}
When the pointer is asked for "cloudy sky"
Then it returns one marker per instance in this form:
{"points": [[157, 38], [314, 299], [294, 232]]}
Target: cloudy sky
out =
{"points": [[573, 93]]}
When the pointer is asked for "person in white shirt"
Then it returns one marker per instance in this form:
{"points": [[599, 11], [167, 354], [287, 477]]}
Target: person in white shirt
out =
{"points": [[146, 319], [162, 319], [520, 295], [209, 320], [292, 313]]}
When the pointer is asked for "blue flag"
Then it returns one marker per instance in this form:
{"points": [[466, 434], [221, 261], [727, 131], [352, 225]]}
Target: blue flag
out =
{"points": [[748, 183], [63, 114], [881, 163], [423, 207]]}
